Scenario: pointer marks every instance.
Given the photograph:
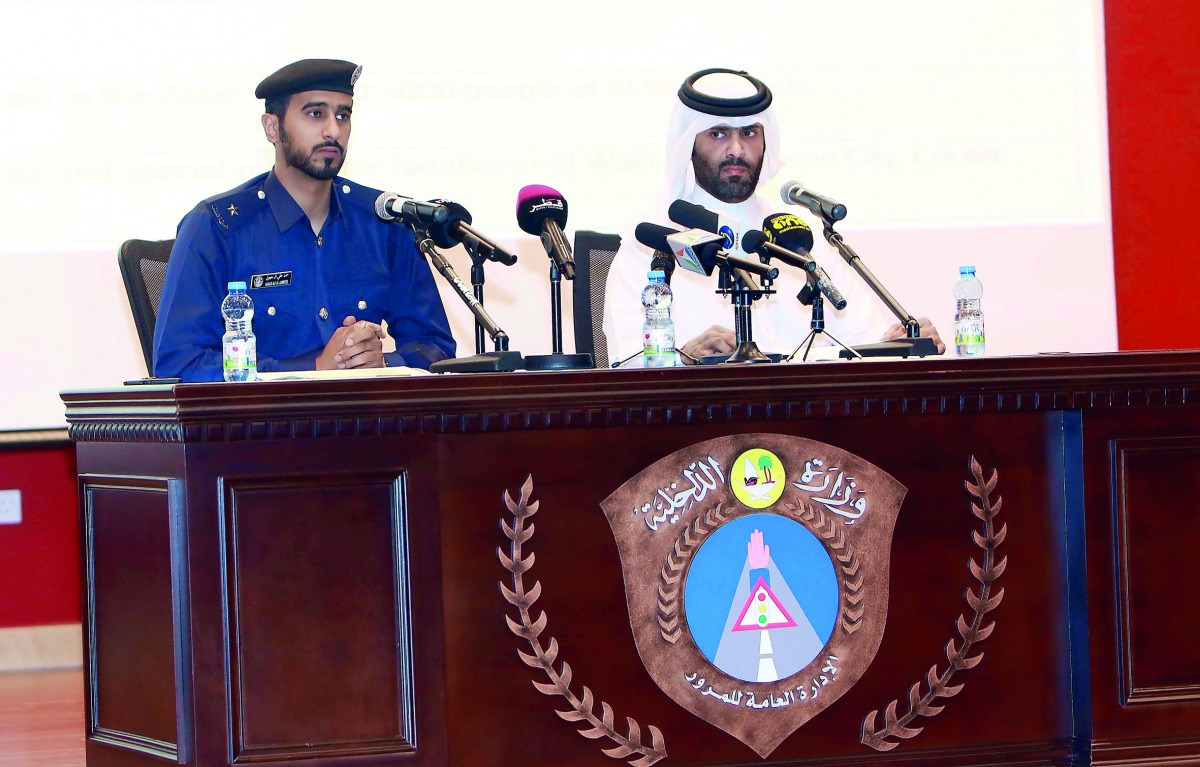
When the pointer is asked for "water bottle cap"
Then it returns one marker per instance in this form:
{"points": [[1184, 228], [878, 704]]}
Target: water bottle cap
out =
{"points": [[966, 270], [658, 275], [237, 286]]}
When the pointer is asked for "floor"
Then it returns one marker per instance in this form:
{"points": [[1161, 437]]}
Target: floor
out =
{"points": [[41, 718]]}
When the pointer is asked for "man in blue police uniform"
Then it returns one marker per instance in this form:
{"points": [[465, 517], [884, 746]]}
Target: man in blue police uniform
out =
{"points": [[323, 270]]}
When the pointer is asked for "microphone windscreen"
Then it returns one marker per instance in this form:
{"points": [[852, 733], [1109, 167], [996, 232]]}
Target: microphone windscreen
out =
{"points": [[692, 216], [536, 203], [752, 241], [788, 231], [654, 236], [445, 234]]}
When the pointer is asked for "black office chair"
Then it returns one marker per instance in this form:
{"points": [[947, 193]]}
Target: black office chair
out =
{"points": [[143, 268], [594, 254]]}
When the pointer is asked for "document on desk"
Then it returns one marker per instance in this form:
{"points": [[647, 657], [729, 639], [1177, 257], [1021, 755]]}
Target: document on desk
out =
{"points": [[332, 375]]}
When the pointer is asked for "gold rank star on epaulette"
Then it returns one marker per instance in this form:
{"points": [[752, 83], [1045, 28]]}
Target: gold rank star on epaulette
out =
{"points": [[233, 209]]}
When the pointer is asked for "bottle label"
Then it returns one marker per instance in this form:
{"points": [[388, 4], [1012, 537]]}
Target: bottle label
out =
{"points": [[659, 348], [240, 355], [968, 335]]}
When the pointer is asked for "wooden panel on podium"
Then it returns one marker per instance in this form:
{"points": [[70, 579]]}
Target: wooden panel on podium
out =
{"points": [[303, 559], [1159, 606], [423, 571], [134, 581]]}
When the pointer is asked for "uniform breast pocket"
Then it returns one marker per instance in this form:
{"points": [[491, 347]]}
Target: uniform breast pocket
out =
{"points": [[363, 299], [281, 330]]}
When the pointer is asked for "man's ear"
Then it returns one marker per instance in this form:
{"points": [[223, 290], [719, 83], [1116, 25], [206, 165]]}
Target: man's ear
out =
{"points": [[270, 125]]}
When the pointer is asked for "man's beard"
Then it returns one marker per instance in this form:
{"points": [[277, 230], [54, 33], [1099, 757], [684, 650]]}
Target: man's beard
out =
{"points": [[323, 169], [726, 190]]}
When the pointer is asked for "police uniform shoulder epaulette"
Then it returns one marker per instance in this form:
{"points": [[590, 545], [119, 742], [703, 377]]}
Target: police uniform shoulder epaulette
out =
{"points": [[356, 194], [233, 208]]}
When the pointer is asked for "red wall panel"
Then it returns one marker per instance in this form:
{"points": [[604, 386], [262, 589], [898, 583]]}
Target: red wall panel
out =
{"points": [[1153, 52], [39, 558]]}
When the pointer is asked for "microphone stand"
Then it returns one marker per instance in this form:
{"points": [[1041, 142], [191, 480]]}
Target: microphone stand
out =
{"points": [[557, 360], [914, 344], [500, 360], [810, 295], [739, 285], [474, 248]]}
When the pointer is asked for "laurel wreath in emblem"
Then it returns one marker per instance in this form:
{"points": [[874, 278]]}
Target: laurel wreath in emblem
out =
{"points": [[628, 746], [670, 586], [843, 551], [958, 656]]}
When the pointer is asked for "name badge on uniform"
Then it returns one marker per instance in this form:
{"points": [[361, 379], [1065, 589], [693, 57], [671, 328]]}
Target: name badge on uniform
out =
{"points": [[271, 280]]}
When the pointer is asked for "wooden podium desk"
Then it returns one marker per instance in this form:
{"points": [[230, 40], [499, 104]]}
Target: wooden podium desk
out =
{"points": [[309, 571]]}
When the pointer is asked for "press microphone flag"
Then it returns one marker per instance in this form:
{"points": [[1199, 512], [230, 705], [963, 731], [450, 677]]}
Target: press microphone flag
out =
{"points": [[794, 193], [692, 216], [696, 250], [655, 237], [706, 252]]}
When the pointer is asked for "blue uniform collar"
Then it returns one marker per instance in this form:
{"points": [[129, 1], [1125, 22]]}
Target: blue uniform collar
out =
{"points": [[287, 211]]}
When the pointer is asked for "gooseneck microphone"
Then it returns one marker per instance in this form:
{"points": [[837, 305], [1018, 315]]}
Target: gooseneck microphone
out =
{"points": [[542, 212], [389, 207], [794, 193]]}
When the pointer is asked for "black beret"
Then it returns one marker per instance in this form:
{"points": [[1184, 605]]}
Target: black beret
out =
{"points": [[310, 75]]}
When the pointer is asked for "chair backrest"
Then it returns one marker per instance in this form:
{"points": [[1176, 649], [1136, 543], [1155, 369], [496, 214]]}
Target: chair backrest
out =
{"points": [[143, 268], [594, 254]]}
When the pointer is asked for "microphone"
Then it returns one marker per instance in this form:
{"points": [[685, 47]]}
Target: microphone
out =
{"points": [[704, 258], [457, 227], [542, 212], [756, 243], [653, 236], [695, 249], [790, 233], [389, 207], [705, 250], [663, 262], [794, 193], [692, 216]]}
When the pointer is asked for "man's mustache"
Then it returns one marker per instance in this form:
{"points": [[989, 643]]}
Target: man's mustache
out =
{"points": [[734, 162]]}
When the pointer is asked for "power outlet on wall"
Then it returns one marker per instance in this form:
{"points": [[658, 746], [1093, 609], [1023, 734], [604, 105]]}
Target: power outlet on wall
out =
{"points": [[10, 507]]}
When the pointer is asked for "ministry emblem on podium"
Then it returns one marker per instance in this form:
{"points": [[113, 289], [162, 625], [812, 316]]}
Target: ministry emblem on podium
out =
{"points": [[756, 572]]}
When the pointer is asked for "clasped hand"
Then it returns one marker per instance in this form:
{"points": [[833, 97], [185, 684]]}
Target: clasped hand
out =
{"points": [[356, 344]]}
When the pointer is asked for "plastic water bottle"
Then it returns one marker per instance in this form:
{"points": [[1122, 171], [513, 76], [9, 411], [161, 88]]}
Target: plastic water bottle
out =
{"points": [[968, 314], [658, 331], [239, 349]]}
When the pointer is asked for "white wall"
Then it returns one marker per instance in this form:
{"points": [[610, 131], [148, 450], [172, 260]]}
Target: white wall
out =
{"points": [[955, 132]]}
